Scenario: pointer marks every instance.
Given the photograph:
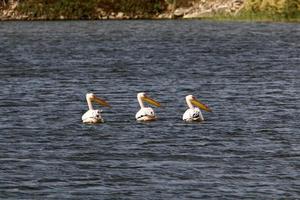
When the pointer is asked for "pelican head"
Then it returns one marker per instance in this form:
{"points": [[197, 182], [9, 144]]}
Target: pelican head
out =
{"points": [[93, 116], [146, 113], [143, 97], [90, 97], [193, 101]]}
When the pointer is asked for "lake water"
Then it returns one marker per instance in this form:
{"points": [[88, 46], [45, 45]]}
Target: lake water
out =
{"points": [[248, 73]]}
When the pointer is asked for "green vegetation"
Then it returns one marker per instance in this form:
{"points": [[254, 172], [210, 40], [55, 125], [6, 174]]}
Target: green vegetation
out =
{"points": [[271, 10], [53, 9], [89, 9], [261, 16]]}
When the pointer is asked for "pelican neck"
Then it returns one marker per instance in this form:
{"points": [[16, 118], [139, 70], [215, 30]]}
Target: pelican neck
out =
{"points": [[141, 102]]}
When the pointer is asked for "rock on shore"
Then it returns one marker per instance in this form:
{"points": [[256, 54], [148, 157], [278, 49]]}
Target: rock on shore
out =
{"points": [[207, 8]]}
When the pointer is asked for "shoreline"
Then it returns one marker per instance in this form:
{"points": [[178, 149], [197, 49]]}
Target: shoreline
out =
{"points": [[216, 19], [216, 10]]}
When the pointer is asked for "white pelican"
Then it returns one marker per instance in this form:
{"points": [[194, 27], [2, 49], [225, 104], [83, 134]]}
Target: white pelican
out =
{"points": [[194, 113], [145, 113], [93, 116]]}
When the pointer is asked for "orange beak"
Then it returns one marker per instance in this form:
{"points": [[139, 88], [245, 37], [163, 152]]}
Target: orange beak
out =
{"points": [[201, 105]]}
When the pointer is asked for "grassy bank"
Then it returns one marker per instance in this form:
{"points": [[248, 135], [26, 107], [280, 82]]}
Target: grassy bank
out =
{"points": [[257, 16], [271, 10]]}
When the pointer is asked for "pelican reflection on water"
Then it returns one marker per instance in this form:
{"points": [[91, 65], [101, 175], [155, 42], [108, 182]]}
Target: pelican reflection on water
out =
{"points": [[93, 116]]}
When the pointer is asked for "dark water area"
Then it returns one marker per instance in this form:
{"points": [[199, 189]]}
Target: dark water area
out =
{"points": [[248, 73]]}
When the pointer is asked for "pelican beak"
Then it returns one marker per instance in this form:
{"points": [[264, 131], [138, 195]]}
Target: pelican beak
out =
{"points": [[151, 101], [201, 105], [101, 102]]}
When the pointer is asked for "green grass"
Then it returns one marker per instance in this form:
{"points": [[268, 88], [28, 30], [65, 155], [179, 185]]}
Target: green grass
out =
{"points": [[256, 16]]}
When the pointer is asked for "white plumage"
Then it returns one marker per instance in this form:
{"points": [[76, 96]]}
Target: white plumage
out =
{"points": [[194, 113], [145, 113], [93, 116]]}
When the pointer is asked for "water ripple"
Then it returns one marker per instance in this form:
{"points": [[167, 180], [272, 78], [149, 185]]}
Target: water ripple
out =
{"points": [[246, 72]]}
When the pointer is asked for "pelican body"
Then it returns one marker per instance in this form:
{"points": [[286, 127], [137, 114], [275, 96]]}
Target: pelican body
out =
{"points": [[193, 114], [93, 116], [145, 113]]}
